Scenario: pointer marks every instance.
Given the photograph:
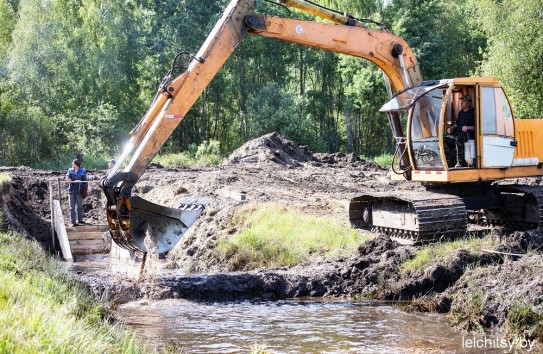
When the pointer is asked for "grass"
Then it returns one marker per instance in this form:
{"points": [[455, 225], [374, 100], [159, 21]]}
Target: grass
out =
{"points": [[466, 311], [424, 303], [524, 321], [431, 254], [275, 236], [185, 159], [384, 160], [99, 162], [43, 310]]}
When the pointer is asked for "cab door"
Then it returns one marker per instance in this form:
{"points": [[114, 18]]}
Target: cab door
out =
{"points": [[497, 128]]}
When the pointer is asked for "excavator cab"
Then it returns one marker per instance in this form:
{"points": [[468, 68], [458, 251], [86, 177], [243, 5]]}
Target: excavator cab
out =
{"points": [[432, 107]]}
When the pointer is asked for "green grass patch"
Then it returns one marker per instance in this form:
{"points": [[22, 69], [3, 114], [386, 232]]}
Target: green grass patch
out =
{"points": [[384, 160], [43, 310], [467, 309], [275, 236], [442, 251], [186, 159], [524, 321]]}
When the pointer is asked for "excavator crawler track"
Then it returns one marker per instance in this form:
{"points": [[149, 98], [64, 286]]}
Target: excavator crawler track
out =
{"points": [[521, 207], [413, 216]]}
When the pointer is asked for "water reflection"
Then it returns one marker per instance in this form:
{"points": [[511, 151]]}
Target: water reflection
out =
{"points": [[291, 326]]}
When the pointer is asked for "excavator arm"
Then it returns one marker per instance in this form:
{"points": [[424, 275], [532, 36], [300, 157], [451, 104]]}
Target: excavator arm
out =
{"points": [[132, 220]]}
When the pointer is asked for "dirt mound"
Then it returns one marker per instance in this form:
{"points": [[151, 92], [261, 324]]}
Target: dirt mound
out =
{"points": [[346, 160], [271, 148], [493, 295], [522, 242]]}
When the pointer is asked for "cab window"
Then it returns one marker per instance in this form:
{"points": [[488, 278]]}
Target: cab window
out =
{"points": [[424, 129], [497, 117]]}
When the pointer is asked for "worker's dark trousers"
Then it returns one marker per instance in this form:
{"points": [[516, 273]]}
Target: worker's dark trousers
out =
{"points": [[454, 146], [76, 207]]}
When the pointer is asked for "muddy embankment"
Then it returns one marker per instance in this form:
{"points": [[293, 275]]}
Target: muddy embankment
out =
{"points": [[479, 289]]}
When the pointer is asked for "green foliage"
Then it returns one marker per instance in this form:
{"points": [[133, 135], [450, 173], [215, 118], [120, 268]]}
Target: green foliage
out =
{"points": [[273, 236], [207, 153], [384, 160], [515, 50], [27, 137], [7, 23], [79, 77], [46, 311], [208, 147], [365, 94], [275, 110], [443, 35]]}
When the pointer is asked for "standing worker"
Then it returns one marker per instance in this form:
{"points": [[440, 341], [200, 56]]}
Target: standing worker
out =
{"points": [[76, 191]]}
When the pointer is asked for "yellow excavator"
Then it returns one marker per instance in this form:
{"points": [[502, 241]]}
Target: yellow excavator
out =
{"points": [[419, 114]]}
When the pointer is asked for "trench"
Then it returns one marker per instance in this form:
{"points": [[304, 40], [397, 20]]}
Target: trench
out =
{"points": [[289, 326], [292, 325]]}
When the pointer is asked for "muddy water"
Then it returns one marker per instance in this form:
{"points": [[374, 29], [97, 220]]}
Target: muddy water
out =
{"points": [[291, 326]]}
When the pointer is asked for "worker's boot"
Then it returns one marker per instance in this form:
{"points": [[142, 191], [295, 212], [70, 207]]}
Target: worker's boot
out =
{"points": [[461, 162]]}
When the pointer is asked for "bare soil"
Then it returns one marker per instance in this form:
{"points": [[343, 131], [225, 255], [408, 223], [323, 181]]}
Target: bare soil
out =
{"points": [[275, 169]]}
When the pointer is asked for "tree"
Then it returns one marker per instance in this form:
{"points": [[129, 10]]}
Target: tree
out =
{"points": [[515, 51], [442, 34], [7, 24]]}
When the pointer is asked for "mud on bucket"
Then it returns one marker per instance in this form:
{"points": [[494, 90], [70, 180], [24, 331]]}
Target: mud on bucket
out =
{"points": [[164, 226]]}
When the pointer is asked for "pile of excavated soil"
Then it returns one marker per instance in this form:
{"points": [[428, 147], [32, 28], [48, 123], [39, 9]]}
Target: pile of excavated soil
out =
{"points": [[270, 148]]}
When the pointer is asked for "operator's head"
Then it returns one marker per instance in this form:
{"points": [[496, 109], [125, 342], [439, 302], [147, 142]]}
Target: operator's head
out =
{"points": [[465, 98], [465, 101], [76, 164], [111, 163]]}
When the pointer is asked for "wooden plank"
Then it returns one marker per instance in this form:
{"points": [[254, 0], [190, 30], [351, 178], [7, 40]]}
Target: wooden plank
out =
{"points": [[89, 250], [87, 235], [87, 243], [88, 228], [52, 209], [61, 232]]}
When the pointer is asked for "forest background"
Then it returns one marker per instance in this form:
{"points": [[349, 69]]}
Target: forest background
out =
{"points": [[76, 76]]}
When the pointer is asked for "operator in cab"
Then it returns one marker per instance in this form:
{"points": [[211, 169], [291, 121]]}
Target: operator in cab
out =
{"points": [[461, 131]]}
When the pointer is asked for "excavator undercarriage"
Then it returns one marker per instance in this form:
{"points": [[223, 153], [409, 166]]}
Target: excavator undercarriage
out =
{"points": [[422, 216]]}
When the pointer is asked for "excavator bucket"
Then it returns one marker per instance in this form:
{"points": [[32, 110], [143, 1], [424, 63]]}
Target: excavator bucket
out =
{"points": [[156, 228]]}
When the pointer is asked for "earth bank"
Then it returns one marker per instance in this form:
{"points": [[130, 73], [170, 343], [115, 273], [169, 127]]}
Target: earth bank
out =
{"points": [[502, 291]]}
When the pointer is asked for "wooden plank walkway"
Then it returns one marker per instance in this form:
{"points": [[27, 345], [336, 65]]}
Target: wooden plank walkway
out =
{"points": [[88, 239], [61, 232]]}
